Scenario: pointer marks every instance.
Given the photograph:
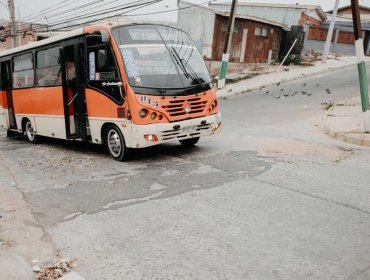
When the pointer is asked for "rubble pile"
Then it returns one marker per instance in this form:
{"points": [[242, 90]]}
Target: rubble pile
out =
{"points": [[54, 271]]}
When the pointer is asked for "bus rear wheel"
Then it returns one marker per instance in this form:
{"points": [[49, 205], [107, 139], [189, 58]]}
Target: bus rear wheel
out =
{"points": [[116, 143], [30, 132], [189, 142]]}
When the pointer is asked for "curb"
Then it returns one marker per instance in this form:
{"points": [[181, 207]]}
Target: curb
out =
{"points": [[343, 136], [298, 77]]}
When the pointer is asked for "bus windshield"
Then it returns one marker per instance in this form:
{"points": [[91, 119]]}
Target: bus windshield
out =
{"points": [[160, 57]]}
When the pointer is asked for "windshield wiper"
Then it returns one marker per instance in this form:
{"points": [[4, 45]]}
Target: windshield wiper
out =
{"points": [[185, 65]]}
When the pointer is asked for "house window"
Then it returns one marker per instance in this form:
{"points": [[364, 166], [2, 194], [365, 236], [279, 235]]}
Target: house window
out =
{"points": [[23, 75], [236, 27], [260, 31], [225, 26], [48, 71]]}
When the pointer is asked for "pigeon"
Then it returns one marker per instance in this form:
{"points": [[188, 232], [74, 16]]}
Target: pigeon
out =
{"points": [[304, 92], [278, 84], [267, 92], [317, 85], [293, 93], [305, 84], [277, 96], [328, 91], [224, 98], [230, 90], [286, 94], [282, 89], [309, 93]]}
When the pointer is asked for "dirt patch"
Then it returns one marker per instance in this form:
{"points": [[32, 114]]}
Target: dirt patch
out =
{"points": [[286, 147]]}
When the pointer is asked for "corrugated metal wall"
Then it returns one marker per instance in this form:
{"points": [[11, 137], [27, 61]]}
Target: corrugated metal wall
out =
{"points": [[319, 34], [256, 47]]}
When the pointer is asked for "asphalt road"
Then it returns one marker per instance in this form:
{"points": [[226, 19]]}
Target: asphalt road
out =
{"points": [[270, 197]]}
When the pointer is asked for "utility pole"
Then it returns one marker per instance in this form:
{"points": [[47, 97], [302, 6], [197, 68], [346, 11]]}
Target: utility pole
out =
{"points": [[227, 47], [12, 22], [361, 63], [19, 28], [330, 33]]}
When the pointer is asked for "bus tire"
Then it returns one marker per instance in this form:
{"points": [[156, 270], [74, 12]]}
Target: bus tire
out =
{"points": [[189, 142], [30, 132], [116, 143]]}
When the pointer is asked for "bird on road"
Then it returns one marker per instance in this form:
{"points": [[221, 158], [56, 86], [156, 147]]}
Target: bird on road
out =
{"points": [[277, 96], [230, 90], [282, 89], [267, 92], [278, 84], [286, 94], [328, 91], [309, 93]]}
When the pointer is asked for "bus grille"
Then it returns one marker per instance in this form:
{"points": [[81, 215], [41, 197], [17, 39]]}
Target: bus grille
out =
{"points": [[202, 129], [177, 107]]}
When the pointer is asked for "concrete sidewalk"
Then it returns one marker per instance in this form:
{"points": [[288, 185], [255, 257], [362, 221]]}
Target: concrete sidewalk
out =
{"points": [[345, 122], [265, 80]]}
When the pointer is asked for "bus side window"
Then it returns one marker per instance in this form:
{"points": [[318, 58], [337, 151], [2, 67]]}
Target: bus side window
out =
{"points": [[103, 71]]}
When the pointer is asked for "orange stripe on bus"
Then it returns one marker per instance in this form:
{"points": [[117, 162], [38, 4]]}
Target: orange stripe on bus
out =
{"points": [[3, 100], [39, 101], [100, 106]]}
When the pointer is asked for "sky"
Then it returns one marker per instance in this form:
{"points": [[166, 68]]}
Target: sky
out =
{"points": [[27, 7]]}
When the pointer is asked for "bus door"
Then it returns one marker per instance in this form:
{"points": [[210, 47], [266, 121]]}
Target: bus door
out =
{"points": [[6, 81], [72, 58]]}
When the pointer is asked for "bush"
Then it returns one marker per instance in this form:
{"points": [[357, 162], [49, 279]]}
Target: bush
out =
{"points": [[297, 60]]}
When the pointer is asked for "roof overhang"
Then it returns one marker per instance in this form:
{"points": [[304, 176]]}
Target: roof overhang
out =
{"points": [[270, 22]]}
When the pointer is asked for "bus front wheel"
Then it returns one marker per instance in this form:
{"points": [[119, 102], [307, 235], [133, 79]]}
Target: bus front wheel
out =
{"points": [[189, 142], [30, 132], [116, 143]]}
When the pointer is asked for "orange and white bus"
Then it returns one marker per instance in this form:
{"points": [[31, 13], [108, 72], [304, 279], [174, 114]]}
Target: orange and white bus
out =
{"points": [[126, 86]]}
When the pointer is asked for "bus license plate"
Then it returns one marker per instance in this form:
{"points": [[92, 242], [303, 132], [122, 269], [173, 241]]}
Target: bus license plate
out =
{"points": [[189, 129]]}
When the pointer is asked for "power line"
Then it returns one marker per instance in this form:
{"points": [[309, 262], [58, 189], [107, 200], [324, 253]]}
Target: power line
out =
{"points": [[4, 5], [124, 13], [108, 10], [37, 17], [134, 5], [44, 10], [168, 11]]}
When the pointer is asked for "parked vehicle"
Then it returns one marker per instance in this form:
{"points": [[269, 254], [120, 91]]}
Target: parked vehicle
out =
{"points": [[128, 86]]}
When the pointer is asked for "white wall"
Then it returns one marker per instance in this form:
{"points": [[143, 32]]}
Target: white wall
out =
{"points": [[198, 22]]}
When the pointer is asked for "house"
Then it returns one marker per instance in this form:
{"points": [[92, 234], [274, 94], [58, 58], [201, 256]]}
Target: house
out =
{"points": [[25, 33], [253, 37], [345, 12], [289, 15], [343, 40]]}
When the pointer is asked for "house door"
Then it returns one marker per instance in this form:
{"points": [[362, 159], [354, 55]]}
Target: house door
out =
{"points": [[72, 57], [7, 86], [244, 45]]}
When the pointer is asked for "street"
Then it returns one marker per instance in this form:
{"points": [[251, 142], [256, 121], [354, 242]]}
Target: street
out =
{"points": [[270, 197]]}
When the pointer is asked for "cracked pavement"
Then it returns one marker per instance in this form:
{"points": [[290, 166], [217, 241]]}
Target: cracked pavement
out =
{"points": [[270, 197]]}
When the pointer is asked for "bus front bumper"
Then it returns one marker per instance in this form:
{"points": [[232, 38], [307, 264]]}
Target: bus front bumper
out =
{"points": [[154, 134]]}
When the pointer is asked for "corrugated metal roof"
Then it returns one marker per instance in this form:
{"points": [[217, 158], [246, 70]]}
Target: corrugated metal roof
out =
{"points": [[293, 6], [274, 5], [227, 14]]}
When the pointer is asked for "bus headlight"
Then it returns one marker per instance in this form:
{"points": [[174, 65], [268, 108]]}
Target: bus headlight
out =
{"points": [[143, 113]]}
